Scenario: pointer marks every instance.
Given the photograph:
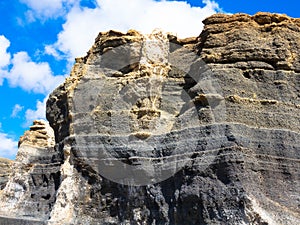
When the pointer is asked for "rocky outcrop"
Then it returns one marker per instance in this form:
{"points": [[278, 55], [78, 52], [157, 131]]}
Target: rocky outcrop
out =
{"points": [[5, 170], [256, 59], [30, 192], [152, 129]]}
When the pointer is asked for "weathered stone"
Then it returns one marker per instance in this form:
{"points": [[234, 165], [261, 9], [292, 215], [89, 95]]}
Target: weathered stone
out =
{"points": [[264, 37], [30, 192], [151, 129], [5, 170]]}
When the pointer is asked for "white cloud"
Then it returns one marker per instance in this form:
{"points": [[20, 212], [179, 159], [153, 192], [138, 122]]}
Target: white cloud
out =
{"points": [[50, 50], [8, 146], [38, 113], [44, 9], [83, 24], [32, 76], [4, 57], [21, 71], [16, 110]]}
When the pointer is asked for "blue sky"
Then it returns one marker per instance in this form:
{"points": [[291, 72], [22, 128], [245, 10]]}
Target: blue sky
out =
{"points": [[39, 40]]}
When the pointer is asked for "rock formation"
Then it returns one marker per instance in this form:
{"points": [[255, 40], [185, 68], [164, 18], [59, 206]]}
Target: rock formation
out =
{"points": [[31, 189], [152, 129], [5, 170]]}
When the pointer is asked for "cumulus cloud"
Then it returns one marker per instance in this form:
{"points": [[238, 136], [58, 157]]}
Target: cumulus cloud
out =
{"points": [[50, 50], [4, 57], [8, 147], [16, 110], [21, 71], [36, 114], [83, 24], [44, 9], [32, 76]]}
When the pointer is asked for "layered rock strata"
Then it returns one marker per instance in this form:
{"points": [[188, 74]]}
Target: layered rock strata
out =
{"points": [[30, 192], [152, 129]]}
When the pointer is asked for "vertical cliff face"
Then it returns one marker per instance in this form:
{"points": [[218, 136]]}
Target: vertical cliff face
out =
{"points": [[152, 129], [256, 59]]}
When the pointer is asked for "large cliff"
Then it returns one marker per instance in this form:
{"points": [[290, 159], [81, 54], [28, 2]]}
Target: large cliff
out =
{"points": [[152, 129]]}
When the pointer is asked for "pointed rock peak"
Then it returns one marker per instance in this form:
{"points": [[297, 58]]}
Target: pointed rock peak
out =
{"points": [[40, 134]]}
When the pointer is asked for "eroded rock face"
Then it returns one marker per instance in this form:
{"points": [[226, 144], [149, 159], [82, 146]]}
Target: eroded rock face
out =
{"points": [[5, 170], [150, 129], [30, 192], [136, 106]]}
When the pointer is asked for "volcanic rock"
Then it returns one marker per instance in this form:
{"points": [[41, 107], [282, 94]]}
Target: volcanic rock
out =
{"points": [[152, 129]]}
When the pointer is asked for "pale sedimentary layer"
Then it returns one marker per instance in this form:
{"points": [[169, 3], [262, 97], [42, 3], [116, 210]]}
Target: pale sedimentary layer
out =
{"points": [[150, 129]]}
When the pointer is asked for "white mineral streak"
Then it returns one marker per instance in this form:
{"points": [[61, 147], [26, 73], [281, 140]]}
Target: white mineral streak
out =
{"points": [[63, 211]]}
